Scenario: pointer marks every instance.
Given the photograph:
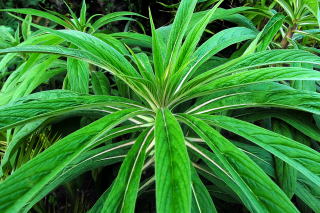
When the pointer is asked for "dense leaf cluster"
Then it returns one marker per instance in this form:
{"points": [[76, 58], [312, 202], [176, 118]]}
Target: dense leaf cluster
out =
{"points": [[172, 118]]}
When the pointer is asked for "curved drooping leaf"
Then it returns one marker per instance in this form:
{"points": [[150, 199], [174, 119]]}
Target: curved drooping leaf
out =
{"points": [[18, 189], [299, 120], [299, 156], [281, 56], [220, 13], [78, 76], [134, 39], [282, 98], [17, 114], [59, 50], [123, 194], [286, 175], [22, 81], [201, 201], [117, 62], [97, 52], [26, 130], [254, 76], [34, 12], [115, 43], [263, 194], [172, 165], [257, 59], [45, 95], [89, 160], [100, 83], [115, 16], [217, 174]]}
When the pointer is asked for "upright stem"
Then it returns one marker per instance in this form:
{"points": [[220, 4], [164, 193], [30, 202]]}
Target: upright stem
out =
{"points": [[285, 42]]}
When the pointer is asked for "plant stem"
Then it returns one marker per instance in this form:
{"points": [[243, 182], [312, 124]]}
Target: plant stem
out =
{"points": [[285, 42]]}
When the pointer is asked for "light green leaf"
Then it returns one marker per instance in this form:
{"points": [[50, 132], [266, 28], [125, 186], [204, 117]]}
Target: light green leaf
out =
{"points": [[262, 193], [270, 30], [268, 57], [18, 189], [123, 194], [172, 165], [255, 76], [78, 76], [115, 16], [280, 98], [100, 83], [313, 6], [178, 30], [192, 39], [34, 12], [20, 113], [83, 13], [157, 54], [202, 201], [89, 160], [299, 120], [212, 46], [286, 175], [299, 156]]}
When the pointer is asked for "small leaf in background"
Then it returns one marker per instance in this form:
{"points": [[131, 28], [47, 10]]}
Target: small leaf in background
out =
{"points": [[78, 76], [100, 83]]}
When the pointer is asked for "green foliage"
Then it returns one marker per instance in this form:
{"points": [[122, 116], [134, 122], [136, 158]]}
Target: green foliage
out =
{"points": [[179, 119]]}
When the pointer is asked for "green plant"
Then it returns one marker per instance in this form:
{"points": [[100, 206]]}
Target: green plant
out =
{"points": [[301, 18], [48, 67], [183, 123]]}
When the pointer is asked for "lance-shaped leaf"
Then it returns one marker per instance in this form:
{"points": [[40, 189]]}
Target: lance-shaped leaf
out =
{"points": [[270, 30], [16, 114], [78, 76], [18, 189], [286, 175], [282, 98], [47, 15], [100, 83], [202, 201], [193, 37], [157, 54], [255, 76], [116, 16], [123, 194], [299, 120], [268, 57], [263, 194], [89, 160], [59, 50], [178, 30], [213, 45], [172, 165], [275, 57], [299, 156]]}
